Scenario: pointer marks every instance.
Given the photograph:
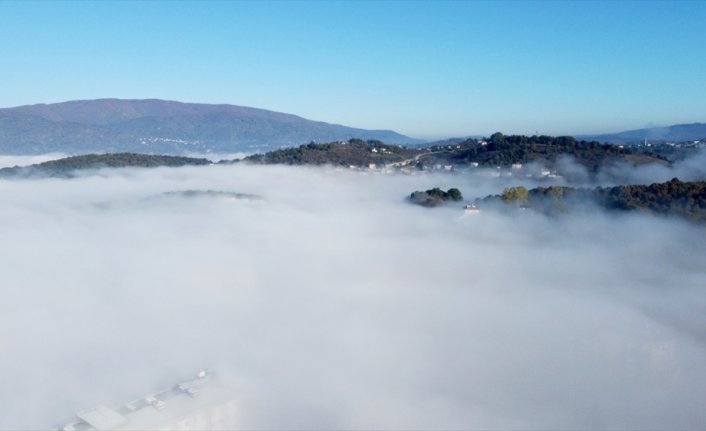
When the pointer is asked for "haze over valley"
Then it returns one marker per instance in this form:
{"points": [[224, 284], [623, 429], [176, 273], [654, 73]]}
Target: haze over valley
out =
{"points": [[540, 282], [352, 215], [332, 303]]}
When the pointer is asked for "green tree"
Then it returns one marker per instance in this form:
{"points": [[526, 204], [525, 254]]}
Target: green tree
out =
{"points": [[454, 194], [515, 195]]}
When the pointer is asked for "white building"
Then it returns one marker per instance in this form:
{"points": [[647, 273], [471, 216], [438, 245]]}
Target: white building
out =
{"points": [[199, 404], [471, 209]]}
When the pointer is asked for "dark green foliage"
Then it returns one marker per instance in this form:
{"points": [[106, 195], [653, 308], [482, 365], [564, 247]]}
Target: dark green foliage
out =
{"points": [[498, 150], [454, 194], [504, 150], [678, 198], [501, 150], [687, 199], [435, 197], [67, 166], [355, 152], [515, 195]]}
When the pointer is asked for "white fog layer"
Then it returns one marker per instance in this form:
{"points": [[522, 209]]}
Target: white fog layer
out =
{"points": [[331, 303]]}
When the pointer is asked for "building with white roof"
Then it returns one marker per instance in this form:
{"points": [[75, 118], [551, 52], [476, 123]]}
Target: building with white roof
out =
{"points": [[202, 403]]}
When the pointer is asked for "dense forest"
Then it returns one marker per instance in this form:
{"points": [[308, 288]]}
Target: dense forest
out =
{"points": [[501, 150], [354, 152], [498, 150], [674, 197], [67, 166]]}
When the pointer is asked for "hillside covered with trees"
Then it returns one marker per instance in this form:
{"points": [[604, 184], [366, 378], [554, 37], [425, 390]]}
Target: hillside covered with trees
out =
{"points": [[354, 152], [498, 150], [501, 150], [68, 166], [672, 198]]}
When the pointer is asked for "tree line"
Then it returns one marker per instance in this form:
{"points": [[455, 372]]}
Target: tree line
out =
{"points": [[674, 197], [356, 152], [501, 150]]}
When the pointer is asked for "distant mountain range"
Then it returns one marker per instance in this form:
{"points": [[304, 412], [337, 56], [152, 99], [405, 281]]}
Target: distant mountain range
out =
{"points": [[164, 127], [675, 133]]}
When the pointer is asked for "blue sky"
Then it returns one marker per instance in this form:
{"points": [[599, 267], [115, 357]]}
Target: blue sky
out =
{"points": [[426, 69]]}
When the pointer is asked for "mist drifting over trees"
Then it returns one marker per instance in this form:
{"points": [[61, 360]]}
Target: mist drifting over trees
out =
{"points": [[330, 302]]}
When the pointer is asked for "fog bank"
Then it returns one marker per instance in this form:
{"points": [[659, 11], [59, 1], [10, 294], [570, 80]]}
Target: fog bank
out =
{"points": [[332, 303]]}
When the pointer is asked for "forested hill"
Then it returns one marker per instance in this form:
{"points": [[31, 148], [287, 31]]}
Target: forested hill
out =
{"points": [[673, 198], [501, 150], [354, 152], [68, 166], [498, 150]]}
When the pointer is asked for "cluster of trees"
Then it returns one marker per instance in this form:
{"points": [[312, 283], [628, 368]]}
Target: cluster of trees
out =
{"points": [[515, 194], [354, 152], [687, 199], [435, 197], [65, 166], [674, 197], [501, 150]]}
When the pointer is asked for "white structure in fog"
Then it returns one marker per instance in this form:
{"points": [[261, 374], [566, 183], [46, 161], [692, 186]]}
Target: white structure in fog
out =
{"points": [[471, 209], [198, 404]]}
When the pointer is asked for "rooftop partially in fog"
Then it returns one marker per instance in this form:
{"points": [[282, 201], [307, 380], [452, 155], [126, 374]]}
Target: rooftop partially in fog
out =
{"points": [[199, 403]]}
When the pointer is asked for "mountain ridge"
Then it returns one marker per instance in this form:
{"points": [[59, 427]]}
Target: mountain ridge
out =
{"points": [[164, 126], [674, 133]]}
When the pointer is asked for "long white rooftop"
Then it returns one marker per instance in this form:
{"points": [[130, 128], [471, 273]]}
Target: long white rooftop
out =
{"points": [[200, 403]]}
